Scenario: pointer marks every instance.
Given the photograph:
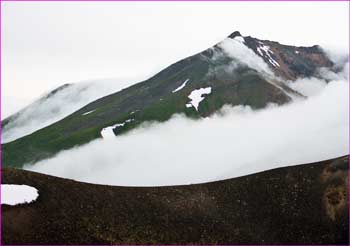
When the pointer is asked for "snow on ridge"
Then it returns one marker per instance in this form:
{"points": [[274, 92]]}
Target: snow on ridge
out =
{"points": [[89, 112], [107, 132], [196, 97], [12, 194], [268, 52], [181, 86]]}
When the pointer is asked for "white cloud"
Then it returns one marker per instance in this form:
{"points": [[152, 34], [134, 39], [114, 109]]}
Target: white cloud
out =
{"points": [[238, 50], [12, 104], [236, 142], [74, 41], [308, 86], [341, 75], [66, 101]]}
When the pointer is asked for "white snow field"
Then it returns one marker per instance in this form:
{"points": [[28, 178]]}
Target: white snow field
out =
{"points": [[266, 49], [89, 112], [107, 132], [181, 86], [197, 96], [12, 194]]}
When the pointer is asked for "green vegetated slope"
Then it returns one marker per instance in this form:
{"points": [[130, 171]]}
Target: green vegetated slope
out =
{"points": [[151, 100]]}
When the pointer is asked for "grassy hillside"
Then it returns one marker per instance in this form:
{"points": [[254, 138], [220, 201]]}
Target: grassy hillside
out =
{"points": [[151, 100]]}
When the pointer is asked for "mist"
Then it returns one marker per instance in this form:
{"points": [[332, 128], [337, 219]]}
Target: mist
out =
{"points": [[234, 142], [49, 109], [238, 51]]}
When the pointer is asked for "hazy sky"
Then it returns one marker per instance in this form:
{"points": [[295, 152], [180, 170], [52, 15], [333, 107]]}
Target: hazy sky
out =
{"points": [[47, 44]]}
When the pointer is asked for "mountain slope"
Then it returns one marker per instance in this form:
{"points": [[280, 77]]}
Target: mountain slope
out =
{"points": [[289, 62], [54, 106], [305, 204], [232, 72]]}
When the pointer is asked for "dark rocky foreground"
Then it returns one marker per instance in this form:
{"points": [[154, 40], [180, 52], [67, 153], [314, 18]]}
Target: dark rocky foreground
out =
{"points": [[305, 204]]}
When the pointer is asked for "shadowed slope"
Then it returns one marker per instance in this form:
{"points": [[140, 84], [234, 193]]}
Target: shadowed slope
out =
{"points": [[305, 204]]}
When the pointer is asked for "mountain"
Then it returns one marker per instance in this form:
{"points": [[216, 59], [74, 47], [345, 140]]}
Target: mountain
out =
{"points": [[289, 62], [56, 105], [237, 71], [304, 204], [14, 122]]}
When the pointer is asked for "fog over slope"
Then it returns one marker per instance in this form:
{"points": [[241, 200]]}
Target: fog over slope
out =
{"points": [[52, 108], [234, 142]]}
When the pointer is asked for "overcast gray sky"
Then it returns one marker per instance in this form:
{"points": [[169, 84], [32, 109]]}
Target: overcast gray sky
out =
{"points": [[47, 44]]}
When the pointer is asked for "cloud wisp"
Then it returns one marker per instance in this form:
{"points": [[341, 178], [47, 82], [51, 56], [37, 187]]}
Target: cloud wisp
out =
{"points": [[50, 109], [237, 50]]}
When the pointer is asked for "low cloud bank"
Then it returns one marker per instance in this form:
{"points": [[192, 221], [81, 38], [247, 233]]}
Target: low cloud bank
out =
{"points": [[237, 141], [44, 112]]}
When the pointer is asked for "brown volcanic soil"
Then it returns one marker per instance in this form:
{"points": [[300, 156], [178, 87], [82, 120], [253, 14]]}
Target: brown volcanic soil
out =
{"points": [[306, 204]]}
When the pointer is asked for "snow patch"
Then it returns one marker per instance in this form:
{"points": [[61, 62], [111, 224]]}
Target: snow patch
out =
{"points": [[296, 52], [196, 96], [181, 86], [89, 112], [17, 194], [133, 112], [107, 132], [266, 49]]}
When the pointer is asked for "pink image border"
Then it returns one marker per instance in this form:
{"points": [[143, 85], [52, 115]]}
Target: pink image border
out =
{"points": [[147, 1]]}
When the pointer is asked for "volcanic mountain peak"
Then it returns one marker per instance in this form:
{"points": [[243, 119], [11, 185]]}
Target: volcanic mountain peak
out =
{"points": [[286, 61], [239, 71], [235, 34]]}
